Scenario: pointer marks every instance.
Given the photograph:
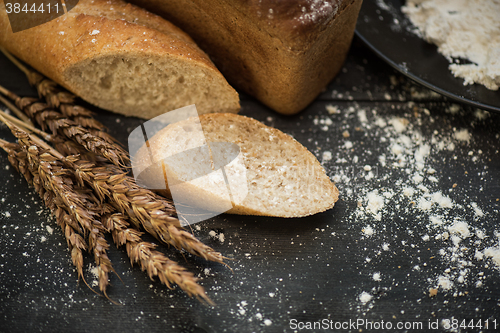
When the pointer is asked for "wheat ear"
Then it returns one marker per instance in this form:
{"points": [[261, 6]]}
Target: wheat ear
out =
{"points": [[142, 206], [47, 117], [145, 208], [78, 203], [153, 262], [76, 244]]}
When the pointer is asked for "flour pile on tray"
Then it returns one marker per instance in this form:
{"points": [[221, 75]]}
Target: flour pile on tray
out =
{"points": [[462, 29]]}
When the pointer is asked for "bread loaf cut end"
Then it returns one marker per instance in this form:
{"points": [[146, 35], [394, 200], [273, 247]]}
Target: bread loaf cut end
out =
{"points": [[148, 85]]}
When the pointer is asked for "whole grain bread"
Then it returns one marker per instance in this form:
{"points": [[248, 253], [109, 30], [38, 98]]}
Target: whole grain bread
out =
{"points": [[122, 58], [283, 52], [272, 175]]}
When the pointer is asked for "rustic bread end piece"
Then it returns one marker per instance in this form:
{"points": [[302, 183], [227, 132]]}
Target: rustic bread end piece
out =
{"points": [[283, 178], [123, 59]]}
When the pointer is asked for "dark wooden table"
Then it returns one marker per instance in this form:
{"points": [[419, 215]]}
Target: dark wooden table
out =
{"points": [[345, 269]]}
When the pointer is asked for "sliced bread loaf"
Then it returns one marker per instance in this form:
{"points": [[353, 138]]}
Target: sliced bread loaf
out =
{"points": [[283, 52], [272, 175], [122, 58]]}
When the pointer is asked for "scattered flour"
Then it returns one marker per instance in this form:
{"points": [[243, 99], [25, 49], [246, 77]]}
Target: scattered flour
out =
{"points": [[445, 282], [368, 231], [219, 237], [362, 116], [365, 297], [348, 145], [435, 220], [477, 211], [494, 254], [399, 124], [409, 184], [267, 322], [327, 156], [461, 228], [94, 270], [332, 109], [375, 204], [462, 135], [408, 191]]}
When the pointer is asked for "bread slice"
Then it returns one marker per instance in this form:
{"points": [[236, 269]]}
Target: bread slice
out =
{"points": [[283, 52], [267, 171], [122, 58]]}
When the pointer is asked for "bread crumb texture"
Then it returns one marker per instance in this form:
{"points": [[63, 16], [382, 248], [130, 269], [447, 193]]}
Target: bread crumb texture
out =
{"points": [[284, 178]]}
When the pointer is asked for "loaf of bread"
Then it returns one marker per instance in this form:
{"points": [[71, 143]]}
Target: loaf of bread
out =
{"points": [[268, 172], [283, 52], [122, 58]]}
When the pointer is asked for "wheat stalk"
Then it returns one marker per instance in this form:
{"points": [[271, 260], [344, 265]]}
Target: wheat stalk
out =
{"points": [[153, 262], [76, 244], [92, 140], [85, 159], [81, 205], [50, 180], [143, 253], [144, 207]]}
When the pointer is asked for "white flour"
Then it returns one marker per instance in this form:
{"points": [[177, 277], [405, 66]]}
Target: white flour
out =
{"points": [[408, 181], [467, 29]]}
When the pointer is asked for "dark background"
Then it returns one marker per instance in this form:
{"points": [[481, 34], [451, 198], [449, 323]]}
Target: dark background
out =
{"points": [[308, 269]]}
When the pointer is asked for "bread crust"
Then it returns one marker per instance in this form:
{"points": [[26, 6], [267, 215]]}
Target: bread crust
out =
{"points": [[99, 28], [297, 22]]}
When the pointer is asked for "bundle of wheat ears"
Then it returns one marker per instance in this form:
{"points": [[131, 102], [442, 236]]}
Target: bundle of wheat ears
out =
{"points": [[80, 172]]}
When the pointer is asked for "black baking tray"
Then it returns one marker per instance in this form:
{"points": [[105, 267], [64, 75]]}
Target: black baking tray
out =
{"points": [[388, 32]]}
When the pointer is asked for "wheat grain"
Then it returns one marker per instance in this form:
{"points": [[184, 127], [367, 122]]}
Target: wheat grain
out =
{"points": [[153, 262], [142, 206], [81, 205], [76, 244], [47, 118]]}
